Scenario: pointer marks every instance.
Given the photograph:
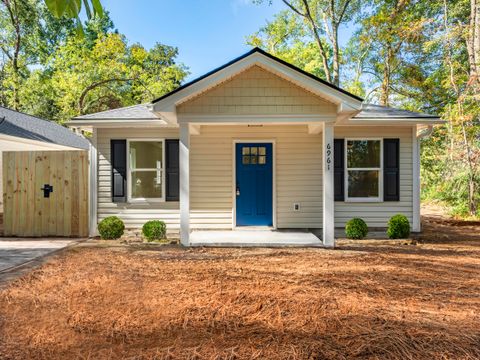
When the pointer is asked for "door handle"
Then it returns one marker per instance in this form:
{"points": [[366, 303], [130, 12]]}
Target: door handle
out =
{"points": [[238, 191], [47, 189]]}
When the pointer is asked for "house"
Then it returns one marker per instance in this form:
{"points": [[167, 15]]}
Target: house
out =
{"points": [[255, 143], [23, 132]]}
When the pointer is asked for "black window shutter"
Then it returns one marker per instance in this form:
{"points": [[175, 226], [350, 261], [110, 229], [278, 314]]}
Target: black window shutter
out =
{"points": [[391, 169], [118, 154], [172, 170], [339, 169]]}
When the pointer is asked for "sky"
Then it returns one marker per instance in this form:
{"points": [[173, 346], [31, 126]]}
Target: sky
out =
{"points": [[208, 33]]}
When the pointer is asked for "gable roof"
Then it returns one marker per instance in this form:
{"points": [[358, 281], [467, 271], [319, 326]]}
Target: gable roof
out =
{"points": [[21, 125], [247, 54], [379, 112], [134, 112]]}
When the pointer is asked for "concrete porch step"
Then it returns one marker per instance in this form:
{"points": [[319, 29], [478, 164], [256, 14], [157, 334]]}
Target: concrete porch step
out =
{"points": [[254, 238]]}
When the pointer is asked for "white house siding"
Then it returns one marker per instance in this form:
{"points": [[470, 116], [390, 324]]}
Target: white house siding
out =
{"points": [[134, 214], [257, 92], [377, 214], [298, 177], [298, 174]]}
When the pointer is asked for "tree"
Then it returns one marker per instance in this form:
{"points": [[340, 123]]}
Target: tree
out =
{"points": [[286, 37], [29, 35], [50, 70], [110, 74], [320, 20], [464, 113], [390, 39], [451, 157]]}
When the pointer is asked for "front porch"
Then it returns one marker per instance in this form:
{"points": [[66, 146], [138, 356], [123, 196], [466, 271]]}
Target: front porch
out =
{"points": [[256, 112], [255, 238], [300, 183]]}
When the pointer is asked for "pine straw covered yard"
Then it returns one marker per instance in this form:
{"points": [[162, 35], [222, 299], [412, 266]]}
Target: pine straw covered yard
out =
{"points": [[366, 301]]}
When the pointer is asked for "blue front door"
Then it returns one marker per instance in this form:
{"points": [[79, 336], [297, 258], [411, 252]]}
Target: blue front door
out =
{"points": [[254, 181]]}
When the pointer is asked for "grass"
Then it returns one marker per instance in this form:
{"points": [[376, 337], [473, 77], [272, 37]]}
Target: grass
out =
{"points": [[360, 301]]}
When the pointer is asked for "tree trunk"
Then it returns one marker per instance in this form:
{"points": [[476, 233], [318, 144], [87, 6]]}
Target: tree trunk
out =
{"points": [[473, 43], [385, 88], [13, 14], [472, 206], [336, 57]]}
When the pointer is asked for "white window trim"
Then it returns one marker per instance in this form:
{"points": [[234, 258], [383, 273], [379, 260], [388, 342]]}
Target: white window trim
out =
{"points": [[129, 173], [379, 169]]}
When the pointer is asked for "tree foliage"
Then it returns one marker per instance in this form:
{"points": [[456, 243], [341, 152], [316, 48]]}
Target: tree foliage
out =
{"points": [[51, 70], [316, 23], [71, 9], [414, 54]]}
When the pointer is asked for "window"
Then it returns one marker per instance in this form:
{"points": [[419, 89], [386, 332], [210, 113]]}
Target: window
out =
{"points": [[254, 155], [363, 179], [146, 165]]}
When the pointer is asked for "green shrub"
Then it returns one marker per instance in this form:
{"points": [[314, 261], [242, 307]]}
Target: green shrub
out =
{"points": [[111, 228], [398, 227], [154, 230], [356, 229]]}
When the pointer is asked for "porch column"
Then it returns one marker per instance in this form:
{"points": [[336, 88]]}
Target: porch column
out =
{"points": [[184, 184], [93, 185], [416, 226], [328, 187]]}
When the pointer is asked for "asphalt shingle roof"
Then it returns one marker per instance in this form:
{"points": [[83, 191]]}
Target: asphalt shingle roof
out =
{"points": [[137, 112], [14, 123], [372, 111]]}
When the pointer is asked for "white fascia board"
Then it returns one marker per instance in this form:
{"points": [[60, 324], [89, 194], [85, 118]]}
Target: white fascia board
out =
{"points": [[36, 143], [118, 123], [391, 121]]}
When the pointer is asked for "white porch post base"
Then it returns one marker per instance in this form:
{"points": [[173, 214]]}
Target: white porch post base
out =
{"points": [[328, 187], [184, 184]]}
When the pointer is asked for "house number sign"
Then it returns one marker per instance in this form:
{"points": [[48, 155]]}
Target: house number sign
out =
{"points": [[329, 156]]}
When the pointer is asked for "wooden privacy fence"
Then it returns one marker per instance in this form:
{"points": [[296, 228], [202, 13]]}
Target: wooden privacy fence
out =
{"points": [[30, 209]]}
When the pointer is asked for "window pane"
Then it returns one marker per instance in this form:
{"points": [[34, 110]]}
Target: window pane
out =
{"points": [[253, 150], [262, 150], [363, 184], [146, 154], [146, 184], [262, 159], [246, 160], [363, 153], [245, 151], [253, 159]]}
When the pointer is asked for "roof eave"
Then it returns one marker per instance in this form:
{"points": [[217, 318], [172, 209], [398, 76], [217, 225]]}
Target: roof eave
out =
{"points": [[118, 122], [395, 121]]}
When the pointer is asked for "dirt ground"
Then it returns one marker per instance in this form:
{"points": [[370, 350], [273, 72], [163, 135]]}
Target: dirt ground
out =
{"points": [[358, 301]]}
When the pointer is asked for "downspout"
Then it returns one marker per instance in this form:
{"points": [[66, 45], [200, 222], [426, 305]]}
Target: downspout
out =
{"points": [[417, 135]]}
